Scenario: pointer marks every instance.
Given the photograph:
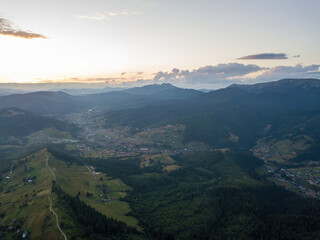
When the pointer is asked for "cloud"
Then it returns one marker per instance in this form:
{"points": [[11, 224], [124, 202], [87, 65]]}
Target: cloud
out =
{"points": [[109, 80], [130, 13], [298, 71], [223, 75], [94, 16], [209, 77], [220, 73], [112, 14], [7, 29], [98, 16], [217, 76], [261, 56]]}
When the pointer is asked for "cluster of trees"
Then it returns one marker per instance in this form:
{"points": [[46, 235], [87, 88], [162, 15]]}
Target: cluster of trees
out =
{"points": [[63, 156], [201, 211], [95, 224]]}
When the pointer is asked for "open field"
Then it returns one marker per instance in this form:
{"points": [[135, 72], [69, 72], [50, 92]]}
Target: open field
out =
{"points": [[151, 160], [96, 189], [281, 150]]}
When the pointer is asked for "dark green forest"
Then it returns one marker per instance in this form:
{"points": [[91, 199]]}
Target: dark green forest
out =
{"points": [[214, 196], [94, 225]]}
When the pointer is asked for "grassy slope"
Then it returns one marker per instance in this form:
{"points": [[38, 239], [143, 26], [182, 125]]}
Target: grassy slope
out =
{"points": [[33, 197], [36, 214], [84, 181]]}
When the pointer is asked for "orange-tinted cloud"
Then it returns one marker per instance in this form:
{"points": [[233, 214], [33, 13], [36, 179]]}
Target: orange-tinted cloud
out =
{"points": [[7, 29]]}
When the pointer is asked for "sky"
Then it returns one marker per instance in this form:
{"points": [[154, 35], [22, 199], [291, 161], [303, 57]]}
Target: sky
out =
{"points": [[189, 43]]}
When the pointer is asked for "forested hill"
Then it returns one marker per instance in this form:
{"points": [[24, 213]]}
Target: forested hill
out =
{"points": [[15, 124], [213, 195], [247, 112], [59, 103]]}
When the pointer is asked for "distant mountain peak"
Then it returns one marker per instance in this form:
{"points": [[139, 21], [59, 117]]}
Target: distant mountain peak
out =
{"points": [[151, 89], [167, 84], [45, 94], [162, 85], [282, 85]]}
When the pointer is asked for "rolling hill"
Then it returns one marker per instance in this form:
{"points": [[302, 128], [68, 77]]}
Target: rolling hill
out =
{"points": [[16, 124], [165, 91], [9, 91], [49, 103], [57, 103], [236, 116]]}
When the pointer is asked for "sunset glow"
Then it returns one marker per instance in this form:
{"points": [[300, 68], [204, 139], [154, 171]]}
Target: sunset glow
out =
{"points": [[99, 41]]}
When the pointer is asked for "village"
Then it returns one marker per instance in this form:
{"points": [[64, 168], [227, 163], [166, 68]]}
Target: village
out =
{"points": [[304, 179], [99, 141]]}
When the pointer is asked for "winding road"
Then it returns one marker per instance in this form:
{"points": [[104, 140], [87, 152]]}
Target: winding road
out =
{"points": [[56, 215]]}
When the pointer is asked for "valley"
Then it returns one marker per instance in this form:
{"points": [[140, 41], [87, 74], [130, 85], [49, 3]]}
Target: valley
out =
{"points": [[163, 169], [100, 140], [159, 120]]}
